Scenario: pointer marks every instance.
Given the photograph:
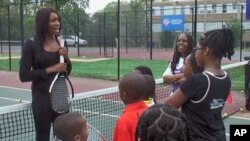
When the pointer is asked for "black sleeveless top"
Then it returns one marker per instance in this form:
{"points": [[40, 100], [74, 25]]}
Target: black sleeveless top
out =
{"points": [[206, 94]]}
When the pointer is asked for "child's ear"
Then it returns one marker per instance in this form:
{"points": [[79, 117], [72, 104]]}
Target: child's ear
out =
{"points": [[124, 95], [206, 51], [77, 138]]}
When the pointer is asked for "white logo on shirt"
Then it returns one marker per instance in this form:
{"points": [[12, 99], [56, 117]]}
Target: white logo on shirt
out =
{"points": [[216, 103]]}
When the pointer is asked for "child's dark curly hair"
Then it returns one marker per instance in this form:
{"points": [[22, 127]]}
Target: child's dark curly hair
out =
{"points": [[144, 70], [221, 41], [162, 122]]}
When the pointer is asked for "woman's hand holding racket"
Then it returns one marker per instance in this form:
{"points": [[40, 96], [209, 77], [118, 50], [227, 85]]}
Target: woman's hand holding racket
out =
{"points": [[59, 67]]}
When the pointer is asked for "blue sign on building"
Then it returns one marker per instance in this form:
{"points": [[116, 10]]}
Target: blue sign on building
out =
{"points": [[173, 23], [248, 9]]}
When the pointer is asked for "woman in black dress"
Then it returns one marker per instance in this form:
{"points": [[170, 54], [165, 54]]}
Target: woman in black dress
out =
{"points": [[40, 63]]}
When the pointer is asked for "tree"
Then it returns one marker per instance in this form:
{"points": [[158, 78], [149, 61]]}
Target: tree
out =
{"points": [[68, 7], [137, 22], [235, 26]]}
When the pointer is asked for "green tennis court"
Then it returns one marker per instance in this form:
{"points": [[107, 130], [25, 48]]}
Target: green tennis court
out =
{"points": [[100, 107], [11, 95]]}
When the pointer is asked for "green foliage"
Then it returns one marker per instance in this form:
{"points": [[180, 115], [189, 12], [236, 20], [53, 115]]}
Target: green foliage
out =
{"points": [[107, 69], [235, 26], [237, 76], [134, 18], [68, 9], [132, 24]]}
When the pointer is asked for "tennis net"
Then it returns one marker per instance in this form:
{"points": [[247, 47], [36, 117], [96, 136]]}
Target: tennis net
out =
{"points": [[101, 109]]}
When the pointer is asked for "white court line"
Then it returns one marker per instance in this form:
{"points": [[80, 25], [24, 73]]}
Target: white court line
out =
{"points": [[96, 113], [106, 100], [13, 99], [17, 100], [240, 117], [15, 88]]}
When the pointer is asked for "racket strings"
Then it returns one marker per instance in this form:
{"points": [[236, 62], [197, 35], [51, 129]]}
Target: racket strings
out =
{"points": [[60, 96]]}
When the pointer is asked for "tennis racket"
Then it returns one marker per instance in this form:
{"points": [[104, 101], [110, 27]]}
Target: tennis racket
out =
{"points": [[94, 134], [59, 90]]}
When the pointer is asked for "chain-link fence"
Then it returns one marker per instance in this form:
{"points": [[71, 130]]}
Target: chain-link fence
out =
{"points": [[140, 28]]}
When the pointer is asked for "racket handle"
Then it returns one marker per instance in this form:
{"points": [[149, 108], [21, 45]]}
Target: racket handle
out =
{"points": [[61, 59], [61, 42], [61, 45]]}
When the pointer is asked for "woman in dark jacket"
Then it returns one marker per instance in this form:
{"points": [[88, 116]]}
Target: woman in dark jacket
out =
{"points": [[40, 63]]}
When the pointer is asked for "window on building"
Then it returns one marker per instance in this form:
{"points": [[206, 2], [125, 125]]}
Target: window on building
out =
{"points": [[186, 10], [218, 8], [168, 10], [213, 8], [231, 9], [191, 10], [156, 11], [153, 12], [209, 8], [178, 10], [234, 5], [182, 10], [162, 10], [201, 9], [224, 8]]}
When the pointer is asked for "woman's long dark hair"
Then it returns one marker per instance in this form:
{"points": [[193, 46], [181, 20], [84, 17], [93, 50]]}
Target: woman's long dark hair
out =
{"points": [[42, 27], [177, 55]]}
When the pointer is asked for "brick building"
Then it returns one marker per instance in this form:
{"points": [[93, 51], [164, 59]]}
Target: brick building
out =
{"points": [[211, 14]]}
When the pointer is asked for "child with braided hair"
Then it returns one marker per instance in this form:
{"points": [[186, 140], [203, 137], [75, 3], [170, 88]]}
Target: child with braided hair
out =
{"points": [[162, 122], [202, 96]]}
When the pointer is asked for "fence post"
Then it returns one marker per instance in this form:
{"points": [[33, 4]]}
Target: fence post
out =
{"points": [[247, 83], [118, 43], [9, 36], [241, 20], [1, 34], [151, 28], [21, 23]]}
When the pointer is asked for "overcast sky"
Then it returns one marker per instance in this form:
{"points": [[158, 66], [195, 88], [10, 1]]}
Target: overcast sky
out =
{"points": [[96, 5]]}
